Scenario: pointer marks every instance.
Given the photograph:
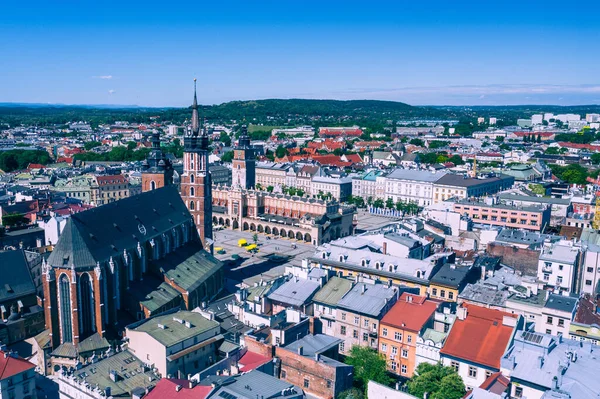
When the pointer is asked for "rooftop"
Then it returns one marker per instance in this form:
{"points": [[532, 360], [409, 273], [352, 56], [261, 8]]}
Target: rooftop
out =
{"points": [[295, 292], [424, 176], [368, 299], [173, 328], [11, 364], [559, 252], [411, 312], [562, 303], [314, 344], [481, 337], [333, 291], [16, 280]]}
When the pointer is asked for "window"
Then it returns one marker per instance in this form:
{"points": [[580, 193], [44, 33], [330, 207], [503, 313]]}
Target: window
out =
{"points": [[405, 353], [450, 295], [488, 374], [365, 337], [472, 372], [548, 331], [65, 308], [561, 322], [588, 282], [546, 277], [455, 365], [341, 347], [394, 366], [559, 280], [549, 320], [366, 323], [434, 291], [443, 293], [343, 330], [384, 332], [397, 336], [355, 333], [306, 383], [394, 350], [328, 383], [560, 267], [191, 191], [518, 392], [329, 323], [590, 269], [403, 369], [356, 320], [384, 347], [343, 316], [409, 338], [26, 388]]}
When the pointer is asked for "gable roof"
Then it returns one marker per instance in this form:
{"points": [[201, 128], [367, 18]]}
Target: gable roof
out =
{"points": [[481, 337], [99, 233], [411, 312], [11, 365], [178, 389]]}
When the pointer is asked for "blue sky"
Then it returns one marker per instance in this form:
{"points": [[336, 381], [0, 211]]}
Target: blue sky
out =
{"points": [[419, 52]]}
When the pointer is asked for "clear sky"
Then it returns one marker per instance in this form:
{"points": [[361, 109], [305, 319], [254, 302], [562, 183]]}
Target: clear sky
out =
{"points": [[452, 52]]}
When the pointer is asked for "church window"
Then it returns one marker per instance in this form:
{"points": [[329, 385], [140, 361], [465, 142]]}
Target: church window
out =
{"points": [[152, 186], [87, 304], [191, 178], [65, 309], [192, 205], [191, 191]]}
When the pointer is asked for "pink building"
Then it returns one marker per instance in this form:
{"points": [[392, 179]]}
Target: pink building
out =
{"points": [[532, 217]]}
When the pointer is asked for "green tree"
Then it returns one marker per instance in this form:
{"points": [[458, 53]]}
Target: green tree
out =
{"points": [[280, 152], [417, 142], [595, 158], [270, 189], [456, 160], [19, 159], [370, 200], [537, 189], [359, 202], [400, 206], [499, 139], [352, 393], [255, 238], [225, 139], [378, 203], [14, 219], [438, 144], [258, 186], [338, 152], [299, 192], [389, 203], [91, 144], [227, 157], [440, 382], [131, 145], [368, 366]]}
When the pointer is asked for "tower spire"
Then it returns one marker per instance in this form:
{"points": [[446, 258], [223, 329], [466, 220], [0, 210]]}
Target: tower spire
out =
{"points": [[195, 119]]}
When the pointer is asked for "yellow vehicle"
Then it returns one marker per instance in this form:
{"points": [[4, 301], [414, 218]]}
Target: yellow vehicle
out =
{"points": [[252, 247], [242, 242]]}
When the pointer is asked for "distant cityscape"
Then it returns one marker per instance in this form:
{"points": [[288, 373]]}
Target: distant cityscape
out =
{"points": [[453, 254]]}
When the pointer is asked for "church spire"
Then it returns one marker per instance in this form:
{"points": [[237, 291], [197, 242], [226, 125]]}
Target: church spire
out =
{"points": [[195, 119]]}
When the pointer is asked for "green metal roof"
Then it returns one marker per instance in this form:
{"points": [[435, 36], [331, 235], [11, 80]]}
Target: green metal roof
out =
{"points": [[169, 331], [333, 291]]}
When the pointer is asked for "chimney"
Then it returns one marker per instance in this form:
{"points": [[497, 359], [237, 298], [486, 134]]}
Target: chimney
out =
{"points": [[555, 383], [301, 351], [541, 361], [461, 313], [409, 298], [364, 288], [178, 388], [385, 247]]}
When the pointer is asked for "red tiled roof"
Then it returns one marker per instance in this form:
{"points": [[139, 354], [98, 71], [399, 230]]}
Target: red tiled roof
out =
{"points": [[111, 179], [586, 312], [579, 146], [251, 360], [11, 365], [495, 383], [64, 159], [35, 166], [480, 338], [412, 315], [354, 158], [167, 388]]}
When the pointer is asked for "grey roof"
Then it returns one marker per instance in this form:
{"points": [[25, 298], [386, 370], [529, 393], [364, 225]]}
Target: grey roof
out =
{"points": [[451, 276], [93, 343], [416, 175], [459, 181], [559, 253], [333, 291], [188, 266], [540, 200], [433, 335], [539, 358], [561, 303], [99, 233], [131, 373], [314, 344], [175, 329], [295, 292], [257, 384], [524, 237], [368, 299], [15, 280]]}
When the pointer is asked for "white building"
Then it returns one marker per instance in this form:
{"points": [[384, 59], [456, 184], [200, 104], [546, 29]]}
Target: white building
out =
{"points": [[537, 119], [53, 227], [557, 265], [411, 185]]}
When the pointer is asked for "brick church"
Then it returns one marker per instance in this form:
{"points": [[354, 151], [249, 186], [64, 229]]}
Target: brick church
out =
{"points": [[134, 258]]}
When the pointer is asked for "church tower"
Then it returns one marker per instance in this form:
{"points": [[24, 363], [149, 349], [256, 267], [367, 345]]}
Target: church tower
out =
{"points": [[157, 170], [244, 162], [196, 184]]}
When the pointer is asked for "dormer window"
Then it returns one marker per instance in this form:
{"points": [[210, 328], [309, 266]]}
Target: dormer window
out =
{"points": [[341, 258], [324, 255], [363, 262]]}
